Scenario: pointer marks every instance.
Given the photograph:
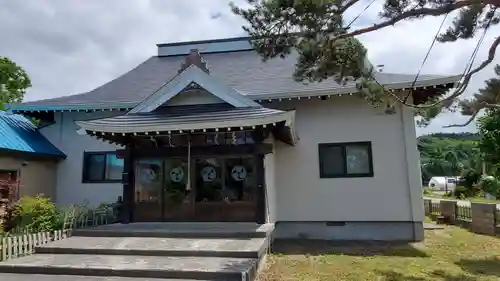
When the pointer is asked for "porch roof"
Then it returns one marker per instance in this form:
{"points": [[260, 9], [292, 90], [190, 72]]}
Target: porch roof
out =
{"points": [[195, 120]]}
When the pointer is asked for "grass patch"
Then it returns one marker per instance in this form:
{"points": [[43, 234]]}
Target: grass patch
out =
{"points": [[451, 254], [482, 200], [471, 199]]}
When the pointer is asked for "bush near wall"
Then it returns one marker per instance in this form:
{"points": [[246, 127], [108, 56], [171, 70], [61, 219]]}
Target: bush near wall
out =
{"points": [[36, 214]]}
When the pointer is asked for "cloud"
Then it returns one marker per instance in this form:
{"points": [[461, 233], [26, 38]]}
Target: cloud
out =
{"points": [[70, 47]]}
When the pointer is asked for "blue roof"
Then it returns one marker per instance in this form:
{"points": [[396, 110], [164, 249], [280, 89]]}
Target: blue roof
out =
{"points": [[18, 134]]}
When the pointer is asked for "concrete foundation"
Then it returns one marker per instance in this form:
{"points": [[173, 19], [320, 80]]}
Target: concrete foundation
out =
{"points": [[383, 231]]}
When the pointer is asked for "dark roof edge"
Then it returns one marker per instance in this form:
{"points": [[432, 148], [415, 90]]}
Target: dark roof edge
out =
{"points": [[448, 81], [242, 38], [28, 155], [208, 41]]}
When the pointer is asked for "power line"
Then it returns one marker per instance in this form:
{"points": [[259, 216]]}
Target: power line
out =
{"points": [[426, 56], [429, 50], [357, 17]]}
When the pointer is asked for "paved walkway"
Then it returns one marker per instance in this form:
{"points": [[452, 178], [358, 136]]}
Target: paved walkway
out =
{"points": [[432, 226]]}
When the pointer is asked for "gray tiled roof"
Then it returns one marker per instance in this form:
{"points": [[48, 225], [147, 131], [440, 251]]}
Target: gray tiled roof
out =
{"points": [[244, 71], [185, 118]]}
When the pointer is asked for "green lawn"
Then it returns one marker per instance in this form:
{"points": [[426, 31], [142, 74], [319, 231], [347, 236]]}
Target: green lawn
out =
{"points": [[451, 254]]}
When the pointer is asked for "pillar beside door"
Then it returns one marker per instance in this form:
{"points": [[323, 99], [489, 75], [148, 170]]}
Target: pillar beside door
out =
{"points": [[260, 210], [126, 214]]}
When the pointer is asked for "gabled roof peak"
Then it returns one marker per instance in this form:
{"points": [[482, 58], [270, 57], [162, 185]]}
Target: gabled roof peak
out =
{"points": [[194, 58], [193, 76]]}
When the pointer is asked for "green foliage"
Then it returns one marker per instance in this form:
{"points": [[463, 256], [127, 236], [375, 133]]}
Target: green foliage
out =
{"points": [[36, 214], [326, 44], [489, 144], [13, 82], [470, 178], [464, 192], [490, 185], [460, 192], [448, 154]]}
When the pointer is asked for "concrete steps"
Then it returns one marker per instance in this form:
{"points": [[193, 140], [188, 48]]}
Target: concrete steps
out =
{"points": [[179, 230], [151, 246], [40, 277], [217, 252], [207, 268]]}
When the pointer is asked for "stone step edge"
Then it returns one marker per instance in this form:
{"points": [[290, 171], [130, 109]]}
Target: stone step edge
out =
{"points": [[164, 253], [43, 277], [152, 234], [247, 275]]}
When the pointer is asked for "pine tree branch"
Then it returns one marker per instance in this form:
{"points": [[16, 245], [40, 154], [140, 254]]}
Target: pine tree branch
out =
{"points": [[474, 115], [463, 86], [471, 118], [409, 14], [491, 56]]}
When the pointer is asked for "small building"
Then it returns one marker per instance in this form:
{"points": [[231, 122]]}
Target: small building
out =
{"points": [[445, 184], [207, 131], [27, 158]]}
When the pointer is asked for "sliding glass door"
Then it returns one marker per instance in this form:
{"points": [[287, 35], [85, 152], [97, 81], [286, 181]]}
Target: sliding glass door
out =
{"points": [[148, 190], [220, 189]]}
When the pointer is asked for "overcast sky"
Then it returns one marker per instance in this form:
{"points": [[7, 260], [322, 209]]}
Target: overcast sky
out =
{"points": [[69, 47]]}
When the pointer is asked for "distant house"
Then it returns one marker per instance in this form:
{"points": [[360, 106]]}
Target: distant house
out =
{"points": [[27, 157], [207, 131]]}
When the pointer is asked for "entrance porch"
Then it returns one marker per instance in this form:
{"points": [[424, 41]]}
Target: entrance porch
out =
{"points": [[206, 165], [194, 150]]}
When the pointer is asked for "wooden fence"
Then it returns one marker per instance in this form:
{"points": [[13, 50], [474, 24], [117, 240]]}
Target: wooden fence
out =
{"points": [[434, 208], [463, 212], [25, 244], [22, 242], [481, 218]]}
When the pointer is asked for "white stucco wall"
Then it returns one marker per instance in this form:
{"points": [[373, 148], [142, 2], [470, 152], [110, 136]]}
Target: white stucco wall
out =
{"points": [[69, 186], [301, 194], [294, 189]]}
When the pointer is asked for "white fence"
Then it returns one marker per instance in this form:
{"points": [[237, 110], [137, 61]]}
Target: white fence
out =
{"points": [[24, 244], [21, 244]]}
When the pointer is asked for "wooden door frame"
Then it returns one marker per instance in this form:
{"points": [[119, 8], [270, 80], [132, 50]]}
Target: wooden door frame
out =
{"points": [[222, 204], [130, 154]]}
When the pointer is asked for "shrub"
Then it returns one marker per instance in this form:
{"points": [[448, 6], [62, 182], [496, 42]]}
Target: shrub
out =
{"points": [[36, 214], [470, 178], [9, 223], [460, 192], [490, 185], [427, 191]]}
